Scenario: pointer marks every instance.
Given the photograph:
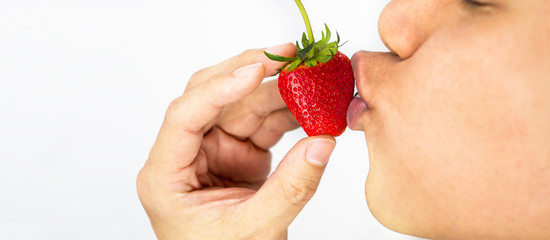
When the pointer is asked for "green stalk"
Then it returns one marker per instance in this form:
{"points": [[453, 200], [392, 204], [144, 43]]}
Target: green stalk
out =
{"points": [[308, 25], [306, 20]]}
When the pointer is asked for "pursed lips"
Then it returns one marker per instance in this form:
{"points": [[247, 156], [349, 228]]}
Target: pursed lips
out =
{"points": [[368, 67], [355, 110], [358, 105]]}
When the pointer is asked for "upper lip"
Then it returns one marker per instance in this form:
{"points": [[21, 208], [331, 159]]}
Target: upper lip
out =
{"points": [[370, 68], [357, 64]]}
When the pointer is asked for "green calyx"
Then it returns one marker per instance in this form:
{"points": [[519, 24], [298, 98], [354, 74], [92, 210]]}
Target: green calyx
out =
{"points": [[310, 53]]}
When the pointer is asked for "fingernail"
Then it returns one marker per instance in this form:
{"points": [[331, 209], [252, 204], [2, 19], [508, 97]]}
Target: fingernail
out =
{"points": [[247, 70], [318, 151], [276, 49]]}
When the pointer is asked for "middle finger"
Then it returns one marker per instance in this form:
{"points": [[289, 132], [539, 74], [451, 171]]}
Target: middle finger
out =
{"points": [[243, 118]]}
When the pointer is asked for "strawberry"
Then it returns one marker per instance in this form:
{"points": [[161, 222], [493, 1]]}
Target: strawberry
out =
{"points": [[317, 84]]}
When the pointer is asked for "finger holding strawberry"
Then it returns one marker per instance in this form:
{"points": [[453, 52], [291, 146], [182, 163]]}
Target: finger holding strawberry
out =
{"points": [[318, 83], [207, 175]]}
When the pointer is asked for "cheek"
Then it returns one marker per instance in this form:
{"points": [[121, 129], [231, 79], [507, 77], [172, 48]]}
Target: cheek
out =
{"points": [[449, 138]]}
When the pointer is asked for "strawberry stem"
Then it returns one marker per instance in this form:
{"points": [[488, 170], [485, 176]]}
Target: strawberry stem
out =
{"points": [[306, 20], [310, 53]]}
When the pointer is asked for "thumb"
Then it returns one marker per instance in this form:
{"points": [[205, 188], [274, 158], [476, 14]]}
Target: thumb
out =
{"points": [[293, 183]]}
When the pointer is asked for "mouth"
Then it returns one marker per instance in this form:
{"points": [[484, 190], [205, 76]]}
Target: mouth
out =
{"points": [[356, 109]]}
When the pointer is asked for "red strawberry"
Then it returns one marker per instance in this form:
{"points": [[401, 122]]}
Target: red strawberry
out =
{"points": [[319, 96], [317, 84]]}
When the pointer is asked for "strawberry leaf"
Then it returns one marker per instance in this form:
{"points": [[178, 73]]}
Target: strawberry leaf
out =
{"points": [[305, 41], [343, 44], [325, 55], [333, 47], [312, 62], [298, 46], [277, 57], [304, 53], [325, 38], [311, 54], [324, 59], [294, 65], [328, 32]]}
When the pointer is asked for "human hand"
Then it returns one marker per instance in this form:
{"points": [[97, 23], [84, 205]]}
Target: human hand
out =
{"points": [[206, 175]]}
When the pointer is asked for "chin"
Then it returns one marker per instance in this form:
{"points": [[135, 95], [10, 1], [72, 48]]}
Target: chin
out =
{"points": [[381, 209], [391, 204]]}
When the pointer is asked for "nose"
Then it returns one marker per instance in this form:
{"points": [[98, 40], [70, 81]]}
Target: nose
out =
{"points": [[405, 24]]}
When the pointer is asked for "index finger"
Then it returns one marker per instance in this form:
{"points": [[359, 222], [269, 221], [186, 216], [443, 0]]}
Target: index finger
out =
{"points": [[247, 57]]}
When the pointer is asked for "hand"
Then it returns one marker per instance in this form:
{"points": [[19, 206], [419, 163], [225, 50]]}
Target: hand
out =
{"points": [[206, 176]]}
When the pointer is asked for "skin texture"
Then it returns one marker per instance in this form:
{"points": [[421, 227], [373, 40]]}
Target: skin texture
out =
{"points": [[459, 119], [457, 133], [207, 174]]}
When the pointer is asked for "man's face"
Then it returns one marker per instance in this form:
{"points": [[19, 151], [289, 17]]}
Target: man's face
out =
{"points": [[458, 118]]}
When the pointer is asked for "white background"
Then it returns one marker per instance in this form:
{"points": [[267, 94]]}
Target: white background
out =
{"points": [[84, 87]]}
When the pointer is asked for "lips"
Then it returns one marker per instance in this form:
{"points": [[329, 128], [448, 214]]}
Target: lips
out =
{"points": [[366, 66], [355, 110]]}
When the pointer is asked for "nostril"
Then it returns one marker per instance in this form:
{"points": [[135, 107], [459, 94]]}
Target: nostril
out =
{"points": [[393, 53]]}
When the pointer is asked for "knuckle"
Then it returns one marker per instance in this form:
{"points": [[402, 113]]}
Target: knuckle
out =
{"points": [[299, 191], [146, 192], [142, 183], [174, 107], [195, 77]]}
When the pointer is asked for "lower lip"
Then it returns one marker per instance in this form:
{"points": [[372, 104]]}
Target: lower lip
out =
{"points": [[355, 110]]}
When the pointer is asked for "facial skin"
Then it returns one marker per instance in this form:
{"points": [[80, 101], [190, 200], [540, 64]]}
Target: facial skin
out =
{"points": [[458, 129]]}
